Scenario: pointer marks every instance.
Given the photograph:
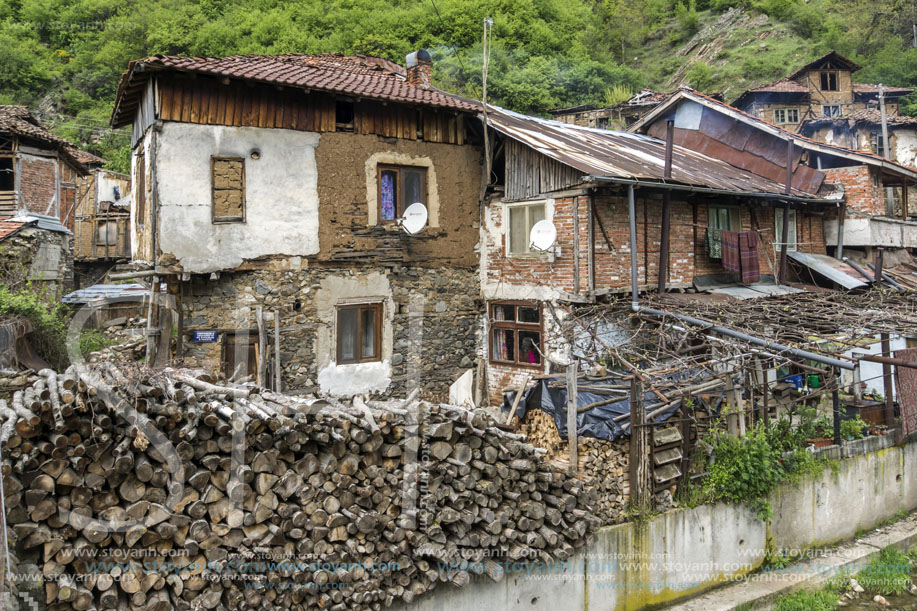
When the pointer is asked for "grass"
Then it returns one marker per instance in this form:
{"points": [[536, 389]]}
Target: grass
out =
{"points": [[887, 574], [803, 600]]}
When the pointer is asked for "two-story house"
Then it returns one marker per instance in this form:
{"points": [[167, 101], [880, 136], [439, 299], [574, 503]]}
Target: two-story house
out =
{"points": [[267, 193]]}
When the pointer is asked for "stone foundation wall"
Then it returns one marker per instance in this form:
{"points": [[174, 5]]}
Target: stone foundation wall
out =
{"points": [[18, 257], [436, 309]]}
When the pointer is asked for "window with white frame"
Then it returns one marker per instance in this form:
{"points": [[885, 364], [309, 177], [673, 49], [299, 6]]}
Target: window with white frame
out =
{"points": [[786, 115], [791, 242], [520, 220]]}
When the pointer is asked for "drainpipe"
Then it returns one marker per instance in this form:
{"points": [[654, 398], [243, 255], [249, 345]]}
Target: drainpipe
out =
{"points": [[855, 266]]}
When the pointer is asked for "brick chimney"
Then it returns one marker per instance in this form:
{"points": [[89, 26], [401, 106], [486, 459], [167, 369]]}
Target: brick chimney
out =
{"points": [[420, 68]]}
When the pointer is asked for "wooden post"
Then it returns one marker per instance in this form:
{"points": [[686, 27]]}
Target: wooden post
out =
{"points": [[887, 379], [152, 313], [571, 416], [783, 242], [836, 410], [666, 210], [262, 347], [575, 246], [904, 202], [640, 476], [277, 381], [180, 303], [841, 215]]}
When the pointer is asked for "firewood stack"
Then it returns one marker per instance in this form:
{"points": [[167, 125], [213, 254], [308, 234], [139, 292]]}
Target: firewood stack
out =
{"points": [[334, 506], [602, 464]]}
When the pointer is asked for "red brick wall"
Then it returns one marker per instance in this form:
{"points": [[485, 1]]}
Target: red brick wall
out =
{"points": [[38, 184], [861, 191]]}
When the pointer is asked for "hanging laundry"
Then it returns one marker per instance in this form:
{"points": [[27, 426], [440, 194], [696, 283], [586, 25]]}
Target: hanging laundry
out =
{"points": [[712, 240], [731, 260], [748, 257]]}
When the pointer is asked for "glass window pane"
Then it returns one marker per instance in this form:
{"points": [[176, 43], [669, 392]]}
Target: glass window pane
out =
{"points": [[413, 187], [518, 230], [504, 345], [388, 194], [347, 334], [529, 345], [505, 312], [536, 214], [368, 328], [529, 315]]}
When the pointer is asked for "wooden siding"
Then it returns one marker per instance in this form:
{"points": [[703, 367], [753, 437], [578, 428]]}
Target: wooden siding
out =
{"points": [[207, 101], [146, 114], [529, 173]]}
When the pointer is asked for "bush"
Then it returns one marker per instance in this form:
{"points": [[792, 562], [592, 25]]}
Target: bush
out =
{"points": [[744, 468], [49, 329], [853, 429]]}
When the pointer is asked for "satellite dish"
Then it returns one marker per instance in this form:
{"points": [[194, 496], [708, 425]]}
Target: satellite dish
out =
{"points": [[414, 219], [543, 235]]}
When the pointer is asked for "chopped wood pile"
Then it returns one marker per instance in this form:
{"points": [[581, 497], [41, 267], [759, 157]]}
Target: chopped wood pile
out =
{"points": [[602, 464], [161, 490]]}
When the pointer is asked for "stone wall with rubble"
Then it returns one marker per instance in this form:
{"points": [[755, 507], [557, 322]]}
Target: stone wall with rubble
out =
{"points": [[437, 308], [21, 267]]}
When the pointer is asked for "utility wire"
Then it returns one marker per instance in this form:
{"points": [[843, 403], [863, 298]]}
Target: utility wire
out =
{"points": [[451, 44]]}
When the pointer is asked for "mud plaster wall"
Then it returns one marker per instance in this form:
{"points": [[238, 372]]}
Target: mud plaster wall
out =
{"points": [[438, 307], [281, 202], [346, 184], [142, 228]]}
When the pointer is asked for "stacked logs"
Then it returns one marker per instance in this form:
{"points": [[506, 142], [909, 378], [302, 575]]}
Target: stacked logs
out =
{"points": [[162, 490], [602, 464]]}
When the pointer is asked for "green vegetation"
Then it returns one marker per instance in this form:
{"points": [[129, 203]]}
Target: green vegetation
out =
{"points": [[48, 323], [887, 574], [802, 600]]}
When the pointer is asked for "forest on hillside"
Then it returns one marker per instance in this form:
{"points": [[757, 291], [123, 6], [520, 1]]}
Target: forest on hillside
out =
{"points": [[63, 58]]}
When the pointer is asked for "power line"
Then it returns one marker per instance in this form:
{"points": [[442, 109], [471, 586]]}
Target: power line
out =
{"points": [[454, 50]]}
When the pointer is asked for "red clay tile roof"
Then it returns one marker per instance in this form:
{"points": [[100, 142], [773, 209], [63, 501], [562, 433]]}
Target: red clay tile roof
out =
{"points": [[360, 76], [86, 158], [9, 227], [19, 121], [782, 86]]}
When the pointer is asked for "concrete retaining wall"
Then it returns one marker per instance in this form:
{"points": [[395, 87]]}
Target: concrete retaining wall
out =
{"points": [[686, 551]]}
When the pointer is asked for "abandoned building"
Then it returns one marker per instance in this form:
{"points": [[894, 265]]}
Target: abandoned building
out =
{"points": [[101, 230], [267, 193], [39, 172], [866, 179], [36, 252], [620, 116]]}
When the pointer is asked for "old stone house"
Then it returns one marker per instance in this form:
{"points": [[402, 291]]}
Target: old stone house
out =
{"points": [[823, 88], [610, 195], [36, 254], [275, 184], [39, 172], [750, 142]]}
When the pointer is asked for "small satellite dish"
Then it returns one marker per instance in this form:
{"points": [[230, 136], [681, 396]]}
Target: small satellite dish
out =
{"points": [[414, 219], [543, 235]]}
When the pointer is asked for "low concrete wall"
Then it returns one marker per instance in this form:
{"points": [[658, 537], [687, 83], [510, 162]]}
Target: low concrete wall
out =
{"points": [[686, 551]]}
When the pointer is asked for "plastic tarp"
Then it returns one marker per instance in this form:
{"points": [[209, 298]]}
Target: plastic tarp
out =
{"points": [[597, 422]]}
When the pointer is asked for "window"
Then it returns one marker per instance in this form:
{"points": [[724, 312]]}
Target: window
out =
{"points": [[878, 143], [399, 187], [831, 111], [521, 220], [515, 333], [778, 219], [359, 333], [7, 174], [140, 195], [786, 115], [343, 116], [829, 81], [228, 180], [107, 234], [724, 218]]}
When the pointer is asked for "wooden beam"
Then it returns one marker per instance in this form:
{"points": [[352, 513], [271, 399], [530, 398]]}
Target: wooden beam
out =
{"points": [[571, 416], [640, 476]]}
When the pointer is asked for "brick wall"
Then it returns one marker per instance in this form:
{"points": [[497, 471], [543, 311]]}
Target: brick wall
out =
{"points": [[861, 190], [38, 184]]}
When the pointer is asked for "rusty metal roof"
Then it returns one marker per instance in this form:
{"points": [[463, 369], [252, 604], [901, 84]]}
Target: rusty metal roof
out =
{"points": [[868, 116], [360, 76], [868, 88], [622, 155]]}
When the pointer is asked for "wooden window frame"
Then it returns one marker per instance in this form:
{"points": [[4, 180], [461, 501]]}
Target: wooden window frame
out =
{"points": [[12, 158], [874, 139], [735, 216], [830, 111], [793, 226], [824, 78], [509, 240], [786, 120], [399, 211], [516, 327], [219, 220], [376, 308]]}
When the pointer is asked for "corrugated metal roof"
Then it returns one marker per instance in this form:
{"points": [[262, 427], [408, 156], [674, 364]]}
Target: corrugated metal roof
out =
{"points": [[623, 155], [43, 221], [98, 292], [830, 268]]}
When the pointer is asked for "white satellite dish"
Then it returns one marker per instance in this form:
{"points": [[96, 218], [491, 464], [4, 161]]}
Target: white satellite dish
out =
{"points": [[543, 235], [414, 219]]}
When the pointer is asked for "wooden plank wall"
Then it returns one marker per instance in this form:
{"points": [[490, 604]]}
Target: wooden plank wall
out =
{"points": [[529, 173], [206, 101]]}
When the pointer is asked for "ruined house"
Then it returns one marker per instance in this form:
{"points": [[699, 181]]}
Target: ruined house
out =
{"points": [[36, 254], [101, 223], [611, 195], [720, 130], [39, 172], [267, 193]]}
